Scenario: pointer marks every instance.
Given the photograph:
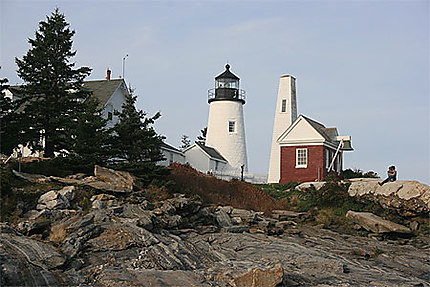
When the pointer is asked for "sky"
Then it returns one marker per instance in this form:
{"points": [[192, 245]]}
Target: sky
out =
{"points": [[361, 66]]}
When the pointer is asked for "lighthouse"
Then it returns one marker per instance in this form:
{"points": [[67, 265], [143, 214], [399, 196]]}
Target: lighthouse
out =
{"points": [[285, 115], [226, 127]]}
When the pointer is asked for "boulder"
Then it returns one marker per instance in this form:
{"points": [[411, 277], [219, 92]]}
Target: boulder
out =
{"points": [[374, 223], [56, 199], [116, 277], [32, 227], [285, 214], [27, 262], [38, 178], [305, 185], [102, 201], [409, 198], [246, 215], [68, 192], [118, 178], [270, 276], [222, 218]]}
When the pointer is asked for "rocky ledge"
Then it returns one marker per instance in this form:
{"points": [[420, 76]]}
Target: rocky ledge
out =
{"points": [[130, 241]]}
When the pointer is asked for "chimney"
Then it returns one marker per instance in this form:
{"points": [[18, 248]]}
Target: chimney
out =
{"points": [[108, 72]]}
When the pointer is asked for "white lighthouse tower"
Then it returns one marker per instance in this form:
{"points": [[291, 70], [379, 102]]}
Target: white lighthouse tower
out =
{"points": [[226, 127], [285, 115]]}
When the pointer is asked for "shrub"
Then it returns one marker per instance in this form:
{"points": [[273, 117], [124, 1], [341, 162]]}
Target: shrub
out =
{"points": [[216, 191], [278, 191]]}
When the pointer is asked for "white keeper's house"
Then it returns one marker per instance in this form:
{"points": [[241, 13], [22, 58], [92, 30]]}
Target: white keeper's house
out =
{"points": [[111, 94]]}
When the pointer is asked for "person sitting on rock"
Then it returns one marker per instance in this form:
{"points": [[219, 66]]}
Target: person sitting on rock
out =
{"points": [[392, 175]]}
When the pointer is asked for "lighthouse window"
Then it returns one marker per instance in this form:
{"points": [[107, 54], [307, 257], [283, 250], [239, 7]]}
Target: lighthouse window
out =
{"points": [[301, 158], [284, 106], [231, 126]]}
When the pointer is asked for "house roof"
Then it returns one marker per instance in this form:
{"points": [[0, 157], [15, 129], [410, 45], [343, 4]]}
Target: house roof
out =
{"points": [[103, 89], [16, 91], [169, 147], [211, 152], [329, 134]]}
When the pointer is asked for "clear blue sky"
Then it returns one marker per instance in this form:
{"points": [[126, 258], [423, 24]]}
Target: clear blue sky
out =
{"points": [[362, 66]]}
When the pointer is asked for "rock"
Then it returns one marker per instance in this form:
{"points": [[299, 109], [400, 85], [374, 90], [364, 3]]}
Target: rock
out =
{"points": [[32, 227], [236, 220], [414, 225], [68, 192], [256, 230], [56, 199], [78, 233], [246, 215], [102, 201], [118, 277], [117, 178], [103, 186], [376, 224], [181, 205], [38, 178], [285, 214], [270, 276], [409, 198], [227, 209], [32, 214], [222, 218], [305, 185], [27, 262], [236, 228], [145, 221], [285, 224], [81, 222]]}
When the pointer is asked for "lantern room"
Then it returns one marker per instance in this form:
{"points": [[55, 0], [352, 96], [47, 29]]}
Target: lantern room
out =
{"points": [[226, 88]]}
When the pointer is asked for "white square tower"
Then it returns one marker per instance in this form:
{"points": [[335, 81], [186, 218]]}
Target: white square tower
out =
{"points": [[285, 115]]}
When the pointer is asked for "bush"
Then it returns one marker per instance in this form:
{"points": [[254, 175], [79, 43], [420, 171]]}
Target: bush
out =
{"points": [[278, 191], [216, 191]]}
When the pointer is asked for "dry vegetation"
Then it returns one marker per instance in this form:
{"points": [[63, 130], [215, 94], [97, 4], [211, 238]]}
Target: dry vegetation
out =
{"points": [[215, 191]]}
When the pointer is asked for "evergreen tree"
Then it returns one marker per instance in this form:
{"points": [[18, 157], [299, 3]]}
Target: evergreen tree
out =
{"points": [[186, 142], [10, 122], [136, 143], [202, 138], [135, 140], [52, 87], [91, 140]]}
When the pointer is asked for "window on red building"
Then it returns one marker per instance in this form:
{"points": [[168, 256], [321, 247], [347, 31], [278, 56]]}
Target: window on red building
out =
{"points": [[301, 158]]}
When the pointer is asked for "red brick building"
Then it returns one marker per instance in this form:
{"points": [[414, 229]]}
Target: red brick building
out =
{"points": [[309, 150]]}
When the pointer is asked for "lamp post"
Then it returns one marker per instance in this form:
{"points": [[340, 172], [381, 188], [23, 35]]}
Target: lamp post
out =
{"points": [[123, 66]]}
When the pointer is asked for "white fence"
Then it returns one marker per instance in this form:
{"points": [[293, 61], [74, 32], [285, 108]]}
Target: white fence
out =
{"points": [[248, 177]]}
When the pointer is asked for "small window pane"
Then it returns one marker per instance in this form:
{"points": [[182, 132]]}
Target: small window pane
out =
{"points": [[231, 126], [284, 106], [302, 157]]}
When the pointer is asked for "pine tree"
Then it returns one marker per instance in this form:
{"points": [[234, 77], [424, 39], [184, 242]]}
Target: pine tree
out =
{"points": [[136, 144], [186, 142], [202, 138], [91, 139], [10, 122], [135, 140], [52, 86]]}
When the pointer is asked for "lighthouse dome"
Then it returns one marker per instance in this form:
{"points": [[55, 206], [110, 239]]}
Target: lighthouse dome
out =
{"points": [[227, 74], [226, 88]]}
